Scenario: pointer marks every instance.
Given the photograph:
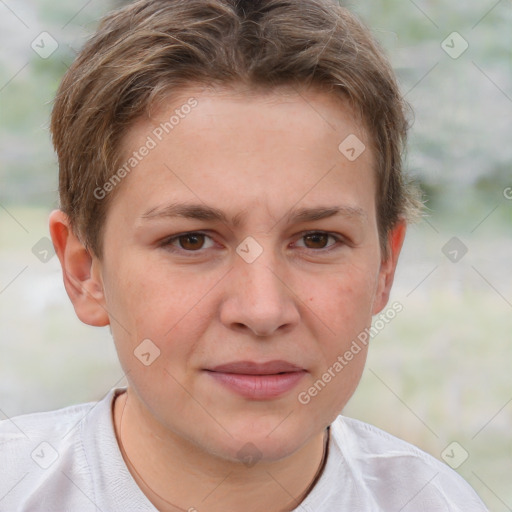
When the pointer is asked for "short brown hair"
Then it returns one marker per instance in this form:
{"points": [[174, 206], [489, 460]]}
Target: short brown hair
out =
{"points": [[156, 47]]}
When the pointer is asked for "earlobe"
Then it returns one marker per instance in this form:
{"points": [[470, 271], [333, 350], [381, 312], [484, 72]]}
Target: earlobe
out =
{"points": [[387, 270], [80, 271]]}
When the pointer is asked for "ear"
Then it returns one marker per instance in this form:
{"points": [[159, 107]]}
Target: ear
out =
{"points": [[80, 270], [387, 268]]}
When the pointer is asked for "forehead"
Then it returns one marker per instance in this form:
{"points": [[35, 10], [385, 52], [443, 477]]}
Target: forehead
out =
{"points": [[284, 144], [224, 109]]}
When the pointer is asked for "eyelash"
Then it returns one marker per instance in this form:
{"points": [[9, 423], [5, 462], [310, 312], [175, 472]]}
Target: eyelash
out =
{"points": [[167, 243]]}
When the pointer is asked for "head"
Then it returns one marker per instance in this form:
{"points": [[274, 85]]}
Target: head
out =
{"points": [[274, 131]]}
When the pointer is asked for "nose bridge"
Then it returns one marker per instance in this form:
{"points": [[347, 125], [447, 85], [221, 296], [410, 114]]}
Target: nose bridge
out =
{"points": [[259, 297], [262, 281], [257, 262]]}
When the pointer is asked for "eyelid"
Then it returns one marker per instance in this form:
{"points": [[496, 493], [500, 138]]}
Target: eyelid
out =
{"points": [[339, 240], [166, 242]]}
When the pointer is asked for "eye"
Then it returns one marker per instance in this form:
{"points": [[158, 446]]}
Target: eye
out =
{"points": [[319, 240], [197, 242], [188, 242]]}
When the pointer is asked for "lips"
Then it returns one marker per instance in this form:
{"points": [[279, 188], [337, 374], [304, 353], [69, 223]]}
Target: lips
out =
{"points": [[258, 381], [250, 368]]}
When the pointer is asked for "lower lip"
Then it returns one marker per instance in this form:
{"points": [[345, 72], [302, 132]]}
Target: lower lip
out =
{"points": [[259, 387]]}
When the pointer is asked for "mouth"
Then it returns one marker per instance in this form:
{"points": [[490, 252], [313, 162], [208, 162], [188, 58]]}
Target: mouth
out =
{"points": [[258, 381]]}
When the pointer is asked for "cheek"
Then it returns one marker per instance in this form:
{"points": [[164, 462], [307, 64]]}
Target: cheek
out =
{"points": [[143, 294], [343, 300], [170, 309], [346, 312]]}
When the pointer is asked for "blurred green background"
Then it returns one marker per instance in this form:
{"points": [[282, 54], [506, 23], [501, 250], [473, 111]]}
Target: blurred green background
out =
{"points": [[440, 372]]}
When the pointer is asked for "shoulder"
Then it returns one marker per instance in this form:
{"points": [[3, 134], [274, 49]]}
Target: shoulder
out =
{"points": [[399, 475], [40, 453], [26, 432]]}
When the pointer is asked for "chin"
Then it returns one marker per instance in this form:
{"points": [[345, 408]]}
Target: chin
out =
{"points": [[256, 441], [251, 451]]}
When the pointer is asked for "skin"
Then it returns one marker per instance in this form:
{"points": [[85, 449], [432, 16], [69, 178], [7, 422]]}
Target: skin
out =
{"points": [[260, 156]]}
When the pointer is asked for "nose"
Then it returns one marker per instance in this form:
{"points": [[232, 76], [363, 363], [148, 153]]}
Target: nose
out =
{"points": [[259, 298]]}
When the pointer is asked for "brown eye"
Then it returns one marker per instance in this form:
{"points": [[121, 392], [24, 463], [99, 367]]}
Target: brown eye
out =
{"points": [[191, 241], [316, 240], [191, 244]]}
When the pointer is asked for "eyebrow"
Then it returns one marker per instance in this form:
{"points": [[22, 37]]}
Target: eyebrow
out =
{"points": [[204, 212]]}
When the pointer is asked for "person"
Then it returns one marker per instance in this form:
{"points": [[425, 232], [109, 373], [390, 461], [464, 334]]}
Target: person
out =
{"points": [[233, 206]]}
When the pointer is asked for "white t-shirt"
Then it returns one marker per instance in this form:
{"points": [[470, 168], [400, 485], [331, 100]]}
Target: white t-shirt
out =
{"points": [[69, 460]]}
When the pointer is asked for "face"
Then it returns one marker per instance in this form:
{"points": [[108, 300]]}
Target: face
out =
{"points": [[243, 248]]}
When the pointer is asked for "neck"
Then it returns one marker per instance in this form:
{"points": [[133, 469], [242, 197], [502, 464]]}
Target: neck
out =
{"points": [[175, 474]]}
